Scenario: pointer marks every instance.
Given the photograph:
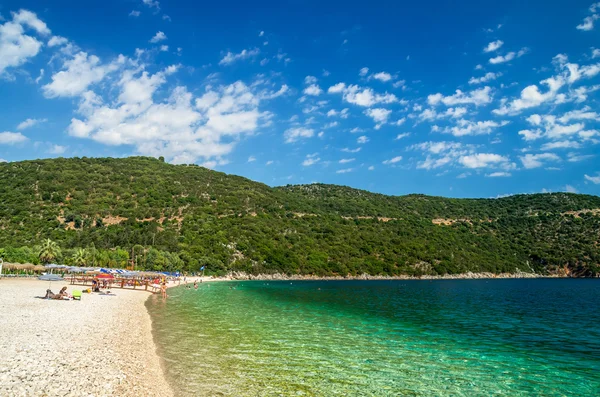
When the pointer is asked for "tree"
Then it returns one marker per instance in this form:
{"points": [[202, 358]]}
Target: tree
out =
{"points": [[80, 257], [49, 251]]}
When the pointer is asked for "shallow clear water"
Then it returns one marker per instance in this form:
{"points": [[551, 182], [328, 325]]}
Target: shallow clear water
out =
{"points": [[382, 338]]}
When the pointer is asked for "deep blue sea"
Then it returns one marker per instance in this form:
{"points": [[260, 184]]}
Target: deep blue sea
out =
{"points": [[517, 337]]}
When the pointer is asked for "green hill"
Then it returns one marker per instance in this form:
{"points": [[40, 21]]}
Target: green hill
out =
{"points": [[182, 217]]}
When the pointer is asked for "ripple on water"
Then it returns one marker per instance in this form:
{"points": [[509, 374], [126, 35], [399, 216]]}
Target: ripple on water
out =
{"points": [[378, 338]]}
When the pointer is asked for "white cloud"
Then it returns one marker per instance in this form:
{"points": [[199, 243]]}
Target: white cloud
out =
{"points": [[431, 114], [509, 56], [251, 159], [595, 53], [371, 168], [269, 162], [537, 160], [311, 159], [152, 3], [16, 47], [382, 76], [345, 161], [466, 127], [179, 128], [379, 115], [493, 46], [594, 179], [40, 77], [30, 123], [28, 18], [485, 78], [499, 174], [337, 88], [344, 113], [159, 36], [11, 138], [310, 80], [484, 160], [363, 97], [362, 139], [79, 73], [393, 160], [561, 145], [344, 171], [230, 57], [363, 72], [588, 22], [313, 90], [403, 135], [294, 134], [166, 18], [478, 97], [134, 14], [57, 41], [553, 128], [348, 150], [164, 48], [57, 149]]}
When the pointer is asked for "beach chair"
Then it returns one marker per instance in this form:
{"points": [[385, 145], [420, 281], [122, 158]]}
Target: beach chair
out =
{"points": [[76, 295]]}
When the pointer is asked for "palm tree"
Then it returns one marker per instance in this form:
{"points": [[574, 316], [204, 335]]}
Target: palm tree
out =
{"points": [[80, 257], [49, 251]]}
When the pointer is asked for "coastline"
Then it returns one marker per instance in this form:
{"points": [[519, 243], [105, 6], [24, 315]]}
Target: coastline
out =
{"points": [[99, 346], [234, 276]]}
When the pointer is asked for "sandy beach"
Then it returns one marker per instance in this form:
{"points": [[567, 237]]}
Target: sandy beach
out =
{"points": [[99, 346]]}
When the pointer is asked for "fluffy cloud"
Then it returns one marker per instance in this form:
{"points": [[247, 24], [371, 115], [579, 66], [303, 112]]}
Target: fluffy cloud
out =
{"points": [[499, 174], [393, 160], [159, 36], [15, 46], [362, 139], [588, 22], [181, 128], [363, 72], [485, 160], [135, 14], [466, 127], [431, 114], [345, 161], [310, 80], [152, 3], [344, 113], [79, 73], [362, 96], [30, 123], [57, 149], [230, 57], [478, 97], [337, 88], [292, 135], [57, 41], [485, 78], [11, 138], [509, 56], [537, 160], [382, 76], [313, 90], [569, 73], [379, 115], [493, 46], [344, 171], [557, 128]]}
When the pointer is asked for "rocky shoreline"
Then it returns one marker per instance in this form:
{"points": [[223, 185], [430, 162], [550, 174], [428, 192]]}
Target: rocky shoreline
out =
{"points": [[462, 276]]}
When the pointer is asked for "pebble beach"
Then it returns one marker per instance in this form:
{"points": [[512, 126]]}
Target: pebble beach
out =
{"points": [[99, 346]]}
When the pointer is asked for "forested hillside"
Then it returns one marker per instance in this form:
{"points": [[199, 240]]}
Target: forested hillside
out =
{"points": [[169, 217]]}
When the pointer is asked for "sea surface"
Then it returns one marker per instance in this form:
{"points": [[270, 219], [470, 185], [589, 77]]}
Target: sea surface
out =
{"points": [[517, 337]]}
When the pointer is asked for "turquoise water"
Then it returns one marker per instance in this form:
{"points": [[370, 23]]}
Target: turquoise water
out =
{"points": [[382, 338]]}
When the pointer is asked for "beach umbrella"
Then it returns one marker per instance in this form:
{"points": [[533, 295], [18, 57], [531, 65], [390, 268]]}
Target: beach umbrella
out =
{"points": [[50, 278], [105, 276]]}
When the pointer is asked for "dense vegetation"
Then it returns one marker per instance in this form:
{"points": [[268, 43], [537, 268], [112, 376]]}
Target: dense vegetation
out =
{"points": [[169, 217]]}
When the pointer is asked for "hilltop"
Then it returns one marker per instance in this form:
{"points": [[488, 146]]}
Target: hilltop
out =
{"points": [[186, 216]]}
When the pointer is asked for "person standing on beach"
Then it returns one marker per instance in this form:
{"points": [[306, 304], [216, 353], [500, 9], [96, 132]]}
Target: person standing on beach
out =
{"points": [[195, 284], [163, 290]]}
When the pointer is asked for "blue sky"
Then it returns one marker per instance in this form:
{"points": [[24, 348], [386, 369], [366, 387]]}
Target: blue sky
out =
{"points": [[484, 99]]}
